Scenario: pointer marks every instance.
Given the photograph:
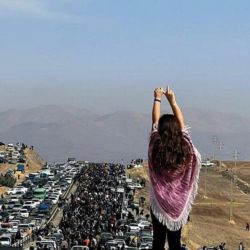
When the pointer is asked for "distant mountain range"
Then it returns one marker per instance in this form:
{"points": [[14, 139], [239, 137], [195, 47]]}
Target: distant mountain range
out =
{"points": [[60, 132]]}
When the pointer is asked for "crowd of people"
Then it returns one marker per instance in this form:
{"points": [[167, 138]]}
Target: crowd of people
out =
{"points": [[96, 208]]}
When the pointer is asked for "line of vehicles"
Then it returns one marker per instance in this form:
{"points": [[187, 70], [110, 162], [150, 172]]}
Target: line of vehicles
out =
{"points": [[29, 205], [13, 153]]}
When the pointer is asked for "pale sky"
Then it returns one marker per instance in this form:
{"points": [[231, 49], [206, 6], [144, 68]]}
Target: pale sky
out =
{"points": [[108, 55]]}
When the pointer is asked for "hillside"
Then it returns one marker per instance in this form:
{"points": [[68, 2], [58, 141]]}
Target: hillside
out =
{"points": [[210, 216], [33, 164]]}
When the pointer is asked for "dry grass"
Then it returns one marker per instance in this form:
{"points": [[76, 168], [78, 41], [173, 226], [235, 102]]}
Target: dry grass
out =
{"points": [[210, 216]]}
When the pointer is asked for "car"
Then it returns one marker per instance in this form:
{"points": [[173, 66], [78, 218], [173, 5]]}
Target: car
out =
{"points": [[105, 236], [207, 163], [10, 204], [13, 215], [134, 186], [24, 213], [27, 184], [69, 180], [21, 188], [5, 239], [30, 203], [15, 155], [28, 207], [19, 194], [134, 227], [58, 236], [28, 195], [12, 161], [33, 226], [11, 191], [17, 207], [15, 223], [2, 154], [22, 159], [48, 202], [24, 227], [49, 243], [144, 224], [58, 190], [145, 246], [146, 239], [14, 198], [47, 187], [10, 147], [36, 201], [2, 160], [119, 243], [79, 247], [53, 199], [146, 232]]}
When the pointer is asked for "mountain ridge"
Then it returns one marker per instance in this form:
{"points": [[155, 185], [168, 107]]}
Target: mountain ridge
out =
{"points": [[59, 132]]}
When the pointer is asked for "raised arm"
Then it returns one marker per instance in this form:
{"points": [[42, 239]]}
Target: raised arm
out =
{"points": [[156, 112], [175, 108]]}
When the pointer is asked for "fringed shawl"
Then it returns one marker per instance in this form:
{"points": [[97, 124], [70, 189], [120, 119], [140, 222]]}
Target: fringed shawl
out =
{"points": [[173, 192]]}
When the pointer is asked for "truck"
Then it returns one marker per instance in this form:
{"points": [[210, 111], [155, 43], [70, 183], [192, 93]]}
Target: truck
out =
{"points": [[21, 168]]}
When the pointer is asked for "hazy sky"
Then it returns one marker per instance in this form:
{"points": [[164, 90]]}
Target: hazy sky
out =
{"points": [[108, 55]]}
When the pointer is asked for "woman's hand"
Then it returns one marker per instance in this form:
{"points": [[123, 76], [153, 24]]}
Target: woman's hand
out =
{"points": [[170, 96], [158, 92]]}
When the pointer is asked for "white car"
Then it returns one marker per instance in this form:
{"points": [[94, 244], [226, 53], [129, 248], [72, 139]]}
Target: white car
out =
{"points": [[57, 190], [133, 227], [30, 203], [24, 213], [49, 243], [144, 224], [15, 155], [207, 164], [14, 198], [54, 199], [5, 239], [36, 201], [20, 187], [11, 191], [69, 180], [134, 186]]}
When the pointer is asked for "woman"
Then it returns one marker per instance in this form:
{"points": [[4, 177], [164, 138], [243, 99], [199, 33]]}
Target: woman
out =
{"points": [[174, 165]]}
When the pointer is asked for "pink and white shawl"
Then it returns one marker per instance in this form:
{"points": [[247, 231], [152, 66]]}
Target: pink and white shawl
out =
{"points": [[173, 192]]}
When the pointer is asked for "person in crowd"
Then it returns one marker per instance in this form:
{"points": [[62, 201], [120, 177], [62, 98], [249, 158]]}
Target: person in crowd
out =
{"points": [[174, 164], [241, 246]]}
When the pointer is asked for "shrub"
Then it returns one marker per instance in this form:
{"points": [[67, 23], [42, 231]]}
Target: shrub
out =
{"points": [[7, 181]]}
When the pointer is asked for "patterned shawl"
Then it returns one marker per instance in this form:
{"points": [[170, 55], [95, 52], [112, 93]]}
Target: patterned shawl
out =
{"points": [[173, 192]]}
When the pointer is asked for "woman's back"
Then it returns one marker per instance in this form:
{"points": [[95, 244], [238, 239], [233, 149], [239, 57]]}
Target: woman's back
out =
{"points": [[174, 165]]}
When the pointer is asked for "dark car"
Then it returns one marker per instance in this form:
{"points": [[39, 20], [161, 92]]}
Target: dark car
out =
{"points": [[28, 195], [4, 215], [105, 237]]}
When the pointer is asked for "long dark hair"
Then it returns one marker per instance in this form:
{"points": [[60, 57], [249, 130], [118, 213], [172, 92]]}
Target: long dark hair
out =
{"points": [[170, 150]]}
